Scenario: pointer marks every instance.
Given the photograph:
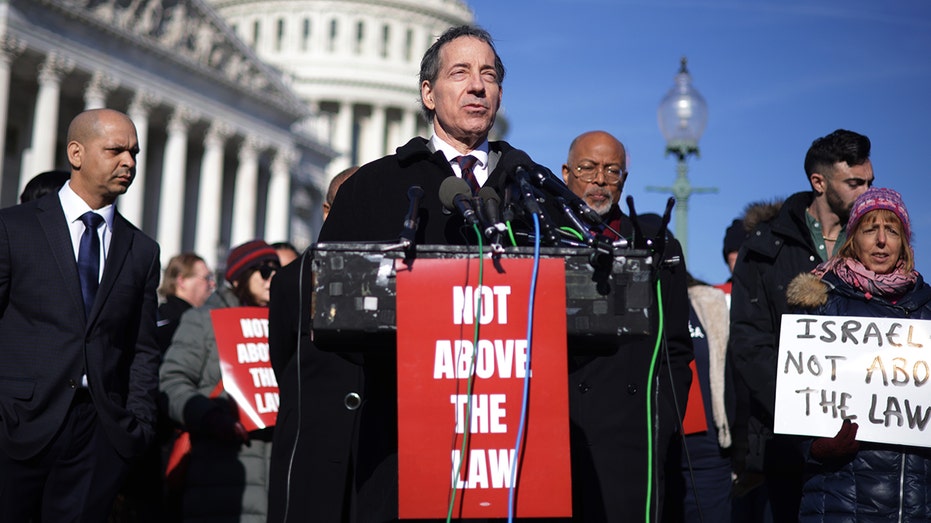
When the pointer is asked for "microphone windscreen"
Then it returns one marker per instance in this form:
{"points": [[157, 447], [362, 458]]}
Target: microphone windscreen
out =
{"points": [[488, 194], [513, 159], [450, 188]]}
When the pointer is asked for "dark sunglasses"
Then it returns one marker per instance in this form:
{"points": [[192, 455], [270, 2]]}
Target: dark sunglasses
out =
{"points": [[266, 271]]}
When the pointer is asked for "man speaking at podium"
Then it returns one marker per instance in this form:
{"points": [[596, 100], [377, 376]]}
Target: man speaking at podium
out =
{"points": [[460, 87]]}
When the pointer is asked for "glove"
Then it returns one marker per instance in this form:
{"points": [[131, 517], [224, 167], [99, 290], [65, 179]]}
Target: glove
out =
{"points": [[221, 425], [841, 446]]}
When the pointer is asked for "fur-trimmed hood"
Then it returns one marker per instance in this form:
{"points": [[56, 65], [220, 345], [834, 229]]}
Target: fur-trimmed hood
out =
{"points": [[756, 213], [807, 291]]}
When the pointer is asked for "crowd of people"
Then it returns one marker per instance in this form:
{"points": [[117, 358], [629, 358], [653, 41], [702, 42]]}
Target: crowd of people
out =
{"points": [[113, 403]]}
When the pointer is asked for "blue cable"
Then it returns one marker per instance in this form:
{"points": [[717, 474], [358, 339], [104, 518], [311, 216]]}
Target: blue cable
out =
{"points": [[523, 406]]}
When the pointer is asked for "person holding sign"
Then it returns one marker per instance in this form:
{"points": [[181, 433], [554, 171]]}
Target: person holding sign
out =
{"points": [[227, 471], [872, 275], [805, 232]]}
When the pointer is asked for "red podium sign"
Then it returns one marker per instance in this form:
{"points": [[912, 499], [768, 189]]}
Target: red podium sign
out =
{"points": [[437, 304], [248, 377]]}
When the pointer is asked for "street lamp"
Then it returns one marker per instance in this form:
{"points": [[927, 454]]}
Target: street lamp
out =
{"points": [[682, 116]]}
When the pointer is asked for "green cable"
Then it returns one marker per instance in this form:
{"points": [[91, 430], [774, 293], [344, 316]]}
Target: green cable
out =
{"points": [[511, 234], [467, 423], [659, 333], [574, 232]]}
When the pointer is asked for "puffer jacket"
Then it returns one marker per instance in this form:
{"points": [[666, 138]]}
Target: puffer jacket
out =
{"points": [[225, 481], [881, 482]]}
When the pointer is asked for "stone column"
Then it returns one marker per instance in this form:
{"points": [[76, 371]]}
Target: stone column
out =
{"points": [[171, 195], [210, 194], [244, 193], [9, 48], [375, 134], [98, 87], [408, 124], [342, 137], [278, 209], [45, 121], [131, 203]]}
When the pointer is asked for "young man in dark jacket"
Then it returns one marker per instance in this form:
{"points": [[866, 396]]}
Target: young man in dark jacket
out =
{"points": [[809, 226]]}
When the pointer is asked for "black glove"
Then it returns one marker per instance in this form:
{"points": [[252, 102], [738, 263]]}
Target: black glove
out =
{"points": [[841, 446], [220, 424]]}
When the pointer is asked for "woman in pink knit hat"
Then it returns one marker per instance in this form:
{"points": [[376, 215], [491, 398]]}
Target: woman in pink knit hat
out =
{"points": [[872, 275]]}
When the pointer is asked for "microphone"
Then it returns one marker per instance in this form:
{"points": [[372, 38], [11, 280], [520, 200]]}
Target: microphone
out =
{"points": [[491, 203], [518, 162], [411, 220], [456, 195], [546, 180]]}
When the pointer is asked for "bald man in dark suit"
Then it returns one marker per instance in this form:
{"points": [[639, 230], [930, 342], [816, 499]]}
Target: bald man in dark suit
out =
{"points": [[78, 351]]}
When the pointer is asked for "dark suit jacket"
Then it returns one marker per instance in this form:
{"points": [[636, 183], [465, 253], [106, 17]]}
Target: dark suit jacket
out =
{"points": [[46, 344]]}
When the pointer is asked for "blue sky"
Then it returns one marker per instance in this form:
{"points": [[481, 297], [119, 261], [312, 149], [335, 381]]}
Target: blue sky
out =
{"points": [[776, 74]]}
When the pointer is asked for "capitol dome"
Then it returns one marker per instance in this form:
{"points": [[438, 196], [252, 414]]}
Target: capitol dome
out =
{"points": [[354, 62]]}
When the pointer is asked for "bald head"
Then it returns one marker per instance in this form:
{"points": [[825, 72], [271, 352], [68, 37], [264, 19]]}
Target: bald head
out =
{"points": [[88, 124], [596, 169], [335, 184], [102, 149]]}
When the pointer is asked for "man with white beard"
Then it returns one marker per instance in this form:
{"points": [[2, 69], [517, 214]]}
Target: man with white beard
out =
{"points": [[617, 457]]}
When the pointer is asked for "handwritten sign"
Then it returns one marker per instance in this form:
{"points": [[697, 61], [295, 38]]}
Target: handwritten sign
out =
{"points": [[874, 371], [440, 304], [248, 377]]}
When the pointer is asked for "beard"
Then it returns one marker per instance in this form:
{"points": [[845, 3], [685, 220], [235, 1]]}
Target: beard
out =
{"points": [[837, 205], [604, 206]]}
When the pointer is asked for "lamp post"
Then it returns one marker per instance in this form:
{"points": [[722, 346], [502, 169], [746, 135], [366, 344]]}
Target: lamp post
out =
{"points": [[682, 116]]}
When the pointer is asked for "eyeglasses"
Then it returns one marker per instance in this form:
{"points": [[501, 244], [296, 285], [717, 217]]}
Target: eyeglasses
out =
{"points": [[267, 271], [588, 173], [206, 277]]}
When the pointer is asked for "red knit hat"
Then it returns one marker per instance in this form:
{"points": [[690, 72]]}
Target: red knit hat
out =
{"points": [[247, 256], [879, 198]]}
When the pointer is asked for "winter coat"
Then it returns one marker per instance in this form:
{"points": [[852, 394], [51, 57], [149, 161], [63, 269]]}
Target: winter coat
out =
{"points": [[775, 252], [882, 482], [225, 481], [711, 308]]}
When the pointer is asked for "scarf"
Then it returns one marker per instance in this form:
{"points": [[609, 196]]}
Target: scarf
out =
{"points": [[891, 286]]}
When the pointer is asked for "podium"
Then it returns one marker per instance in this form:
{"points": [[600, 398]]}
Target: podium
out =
{"points": [[609, 296]]}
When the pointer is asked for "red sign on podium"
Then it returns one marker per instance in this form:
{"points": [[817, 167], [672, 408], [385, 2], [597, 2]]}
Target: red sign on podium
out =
{"points": [[248, 377], [439, 303]]}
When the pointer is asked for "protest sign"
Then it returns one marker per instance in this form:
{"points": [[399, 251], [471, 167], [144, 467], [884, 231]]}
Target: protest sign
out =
{"points": [[873, 371], [248, 377], [439, 303]]}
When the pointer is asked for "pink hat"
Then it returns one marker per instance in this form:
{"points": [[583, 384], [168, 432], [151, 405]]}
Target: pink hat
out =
{"points": [[879, 198]]}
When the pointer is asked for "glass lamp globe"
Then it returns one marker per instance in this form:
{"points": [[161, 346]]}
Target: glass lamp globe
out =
{"points": [[682, 113]]}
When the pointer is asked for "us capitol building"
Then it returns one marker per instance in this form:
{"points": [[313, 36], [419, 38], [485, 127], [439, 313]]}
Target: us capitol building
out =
{"points": [[244, 108]]}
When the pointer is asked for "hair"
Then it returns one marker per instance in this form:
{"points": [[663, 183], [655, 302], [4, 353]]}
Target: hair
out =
{"points": [[839, 146], [430, 63], [848, 250], [179, 265], [241, 289], [42, 184], [337, 181], [279, 246]]}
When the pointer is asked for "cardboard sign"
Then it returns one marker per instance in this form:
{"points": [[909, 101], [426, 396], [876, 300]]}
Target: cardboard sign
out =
{"points": [[873, 371], [439, 303], [248, 377]]}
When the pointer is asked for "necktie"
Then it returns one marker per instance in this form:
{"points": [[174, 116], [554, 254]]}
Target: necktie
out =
{"points": [[465, 167], [89, 259]]}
